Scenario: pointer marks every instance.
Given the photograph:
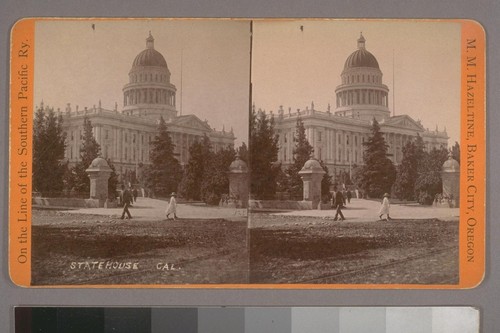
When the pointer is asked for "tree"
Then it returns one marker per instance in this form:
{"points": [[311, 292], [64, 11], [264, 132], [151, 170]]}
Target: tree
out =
{"points": [[89, 150], [413, 155], [199, 156], [428, 182], [326, 181], [263, 155], [112, 181], [301, 154], [378, 173], [243, 152], [49, 144], [164, 173], [455, 152], [215, 181]]}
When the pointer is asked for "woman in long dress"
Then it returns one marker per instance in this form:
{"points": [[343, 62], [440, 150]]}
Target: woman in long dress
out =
{"points": [[384, 209], [172, 206]]}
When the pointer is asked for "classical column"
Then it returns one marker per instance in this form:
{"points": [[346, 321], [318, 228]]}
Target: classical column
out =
{"points": [[141, 145], [333, 141], [395, 148], [75, 142], [98, 135], [344, 147], [313, 141], [120, 143], [327, 138], [183, 147]]}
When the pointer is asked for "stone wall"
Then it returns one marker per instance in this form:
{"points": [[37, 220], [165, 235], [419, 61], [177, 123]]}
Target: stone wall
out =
{"points": [[285, 205], [65, 202]]}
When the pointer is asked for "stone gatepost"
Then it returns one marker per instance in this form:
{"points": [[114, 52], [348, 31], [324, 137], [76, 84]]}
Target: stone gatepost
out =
{"points": [[99, 173], [450, 176], [312, 174], [238, 183]]}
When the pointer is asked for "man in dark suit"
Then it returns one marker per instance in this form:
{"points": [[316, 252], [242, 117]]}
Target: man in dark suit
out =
{"points": [[338, 203], [126, 200]]}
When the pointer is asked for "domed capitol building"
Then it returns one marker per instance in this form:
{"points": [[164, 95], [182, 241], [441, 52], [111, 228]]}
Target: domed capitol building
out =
{"points": [[337, 136], [125, 135]]}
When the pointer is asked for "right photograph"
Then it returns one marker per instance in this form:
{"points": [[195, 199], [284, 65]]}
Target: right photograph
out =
{"points": [[355, 152]]}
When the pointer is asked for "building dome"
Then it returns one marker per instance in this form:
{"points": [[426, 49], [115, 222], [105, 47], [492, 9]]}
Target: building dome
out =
{"points": [[361, 57], [150, 57], [149, 92]]}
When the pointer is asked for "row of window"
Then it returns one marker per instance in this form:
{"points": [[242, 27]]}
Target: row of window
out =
{"points": [[362, 96], [148, 77], [106, 136], [347, 79], [158, 96], [319, 136], [356, 159]]}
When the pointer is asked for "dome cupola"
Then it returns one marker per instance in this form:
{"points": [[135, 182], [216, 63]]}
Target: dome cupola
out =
{"points": [[361, 57], [150, 57]]}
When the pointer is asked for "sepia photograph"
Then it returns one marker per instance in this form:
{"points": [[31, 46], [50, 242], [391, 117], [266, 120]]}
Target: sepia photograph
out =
{"points": [[248, 153], [355, 152], [140, 141]]}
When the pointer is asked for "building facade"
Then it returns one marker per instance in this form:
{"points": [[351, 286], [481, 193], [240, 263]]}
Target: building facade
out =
{"points": [[125, 135], [337, 137]]}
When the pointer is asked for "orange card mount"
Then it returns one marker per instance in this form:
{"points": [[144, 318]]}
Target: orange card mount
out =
{"points": [[236, 153]]}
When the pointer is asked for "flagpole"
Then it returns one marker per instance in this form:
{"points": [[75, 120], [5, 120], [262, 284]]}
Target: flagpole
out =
{"points": [[393, 87], [182, 51]]}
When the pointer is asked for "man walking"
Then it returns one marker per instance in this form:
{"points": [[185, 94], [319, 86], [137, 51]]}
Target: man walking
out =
{"points": [[338, 203], [126, 200]]}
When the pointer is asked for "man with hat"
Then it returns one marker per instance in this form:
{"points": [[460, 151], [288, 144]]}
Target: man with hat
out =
{"points": [[126, 199], [384, 209], [172, 206], [338, 203]]}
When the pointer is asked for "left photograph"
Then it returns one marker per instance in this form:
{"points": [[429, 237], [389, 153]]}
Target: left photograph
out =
{"points": [[140, 132]]}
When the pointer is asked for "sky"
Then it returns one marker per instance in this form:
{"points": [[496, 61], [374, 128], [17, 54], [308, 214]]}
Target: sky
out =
{"points": [[290, 66], [77, 64], [294, 67]]}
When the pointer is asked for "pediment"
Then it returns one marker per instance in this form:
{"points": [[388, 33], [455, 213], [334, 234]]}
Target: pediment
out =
{"points": [[404, 121], [191, 121]]}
